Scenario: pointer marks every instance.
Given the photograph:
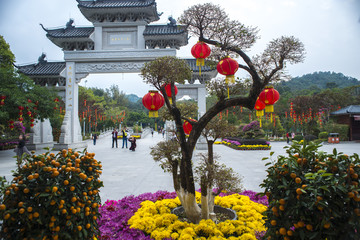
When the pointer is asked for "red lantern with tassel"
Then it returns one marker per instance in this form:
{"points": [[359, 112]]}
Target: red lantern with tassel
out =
{"points": [[168, 91], [187, 126], [228, 67], [269, 96], [259, 106], [153, 101], [200, 51]]}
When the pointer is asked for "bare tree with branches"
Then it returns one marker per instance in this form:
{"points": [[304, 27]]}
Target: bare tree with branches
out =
{"points": [[212, 25]]}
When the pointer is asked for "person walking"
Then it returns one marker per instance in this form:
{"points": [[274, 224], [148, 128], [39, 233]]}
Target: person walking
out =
{"points": [[94, 137], [124, 135], [114, 137], [287, 137], [133, 143], [152, 132], [21, 148]]}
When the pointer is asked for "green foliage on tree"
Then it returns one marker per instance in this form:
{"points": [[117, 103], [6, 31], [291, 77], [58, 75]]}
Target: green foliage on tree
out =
{"points": [[312, 194], [316, 82], [20, 91]]}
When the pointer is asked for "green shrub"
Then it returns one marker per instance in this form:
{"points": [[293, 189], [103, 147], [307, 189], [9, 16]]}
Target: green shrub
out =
{"points": [[310, 137], [313, 195], [323, 135], [342, 129], [53, 197], [298, 138]]}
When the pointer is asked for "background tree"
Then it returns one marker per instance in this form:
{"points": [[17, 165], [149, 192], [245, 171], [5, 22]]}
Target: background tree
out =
{"points": [[21, 91], [212, 25]]}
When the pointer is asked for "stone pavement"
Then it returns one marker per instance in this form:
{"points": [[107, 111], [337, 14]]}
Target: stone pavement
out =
{"points": [[132, 173]]}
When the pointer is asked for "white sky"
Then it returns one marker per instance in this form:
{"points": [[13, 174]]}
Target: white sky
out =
{"points": [[329, 29]]}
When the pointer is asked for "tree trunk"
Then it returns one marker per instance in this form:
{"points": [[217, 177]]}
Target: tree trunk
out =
{"points": [[204, 198], [191, 208]]}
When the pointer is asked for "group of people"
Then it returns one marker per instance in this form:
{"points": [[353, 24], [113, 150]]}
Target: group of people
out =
{"points": [[288, 135], [132, 140]]}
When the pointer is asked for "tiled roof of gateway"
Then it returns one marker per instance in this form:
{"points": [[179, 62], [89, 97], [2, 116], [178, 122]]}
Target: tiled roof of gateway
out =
{"points": [[42, 68], [163, 30], [55, 68], [71, 32], [85, 32], [352, 109], [116, 3], [194, 68]]}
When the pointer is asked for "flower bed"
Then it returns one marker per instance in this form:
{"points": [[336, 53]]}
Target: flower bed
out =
{"points": [[235, 144], [148, 216]]}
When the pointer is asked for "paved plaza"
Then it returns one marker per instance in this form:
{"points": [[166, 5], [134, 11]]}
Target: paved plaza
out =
{"points": [[132, 173]]}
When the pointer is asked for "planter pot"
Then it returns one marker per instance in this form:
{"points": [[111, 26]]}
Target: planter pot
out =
{"points": [[231, 214]]}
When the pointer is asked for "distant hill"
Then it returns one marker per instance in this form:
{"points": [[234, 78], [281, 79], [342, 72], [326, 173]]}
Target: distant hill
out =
{"points": [[132, 98], [317, 81]]}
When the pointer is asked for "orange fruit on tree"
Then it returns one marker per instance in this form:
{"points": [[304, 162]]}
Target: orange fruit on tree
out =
{"points": [[298, 191], [351, 194], [54, 189], [273, 222], [36, 214], [282, 231], [2, 207], [29, 209], [72, 188], [282, 201], [282, 208], [293, 175], [88, 225], [298, 180], [301, 224], [21, 210], [289, 233], [309, 227], [326, 225]]}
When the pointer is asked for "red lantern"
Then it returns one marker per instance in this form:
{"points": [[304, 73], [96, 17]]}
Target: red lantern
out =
{"points": [[200, 51], [259, 106], [168, 91], [153, 101], [187, 126], [228, 67], [269, 96]]}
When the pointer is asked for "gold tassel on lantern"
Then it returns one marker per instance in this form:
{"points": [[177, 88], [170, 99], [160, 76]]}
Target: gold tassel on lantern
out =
{"points": [[200, 62], [259, 114]]}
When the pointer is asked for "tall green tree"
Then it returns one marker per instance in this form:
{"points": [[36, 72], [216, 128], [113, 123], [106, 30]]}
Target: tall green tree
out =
{"points": [[20, 91]]}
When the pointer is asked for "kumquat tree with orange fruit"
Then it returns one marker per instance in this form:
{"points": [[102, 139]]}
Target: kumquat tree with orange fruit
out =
{"points": [[313, 195], [53, 196]]}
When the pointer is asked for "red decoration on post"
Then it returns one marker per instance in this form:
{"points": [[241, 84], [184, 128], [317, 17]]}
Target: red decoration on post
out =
{"points": [[2, 100], [228, 67], [269, 96], [168, 91], [200, 51], [187, 126], [153, 101]]}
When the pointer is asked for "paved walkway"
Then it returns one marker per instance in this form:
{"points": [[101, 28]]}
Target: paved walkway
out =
{"points": [[126, 172]]}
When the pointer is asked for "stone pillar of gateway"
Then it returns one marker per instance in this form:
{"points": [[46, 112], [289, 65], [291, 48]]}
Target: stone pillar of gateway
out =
{"points": [[120, 40]]}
